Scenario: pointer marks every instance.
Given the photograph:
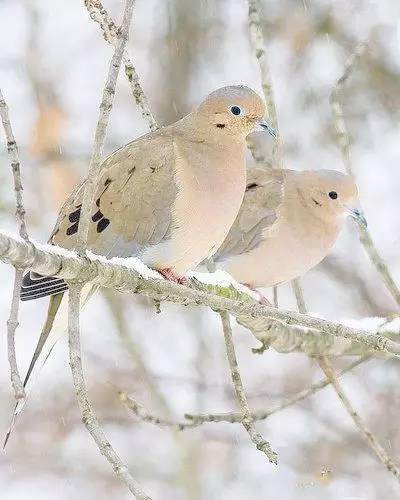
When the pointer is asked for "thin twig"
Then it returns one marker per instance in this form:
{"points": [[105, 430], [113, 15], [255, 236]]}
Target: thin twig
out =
{"points": [[12, 323], [234, 417], [144, 415], [298, 293], [105, 110], [246, 418], [275, 297], [258, 44], [370, 438], [326, 367], [344, 145], [88, 415], [110, 31]]}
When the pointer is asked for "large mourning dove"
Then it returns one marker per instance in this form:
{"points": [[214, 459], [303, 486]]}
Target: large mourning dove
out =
{"points": [[287, 223], [169, 198]]}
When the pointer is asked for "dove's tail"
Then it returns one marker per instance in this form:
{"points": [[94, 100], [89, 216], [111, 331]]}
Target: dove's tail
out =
{"points": [[55, 327]]}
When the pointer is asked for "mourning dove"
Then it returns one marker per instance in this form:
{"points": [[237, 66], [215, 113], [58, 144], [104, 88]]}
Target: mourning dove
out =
{"points": [[287, 223], [169, 198]]}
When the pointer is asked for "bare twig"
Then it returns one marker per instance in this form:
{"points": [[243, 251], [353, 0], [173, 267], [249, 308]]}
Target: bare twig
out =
{"points": [[326, 367], [298, 293], [110, 31], [344, 144], [195, 420], [12, 323], [142, 414], [234, 417], [88, 415], [51, 261], [258, 44], [275, 297], [12, 149], [370, 438], [246, 418], [105, 110]]}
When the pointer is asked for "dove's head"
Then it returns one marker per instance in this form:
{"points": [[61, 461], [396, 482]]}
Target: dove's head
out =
{"points": [[233, 111], [331, 195]]}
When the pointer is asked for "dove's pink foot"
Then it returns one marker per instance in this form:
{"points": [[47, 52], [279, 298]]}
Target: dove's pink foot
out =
{"points": [[262, 299], [169, 275]]}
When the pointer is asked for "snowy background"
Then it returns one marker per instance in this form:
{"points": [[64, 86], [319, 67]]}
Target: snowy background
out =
{"points": [[53, 63]]}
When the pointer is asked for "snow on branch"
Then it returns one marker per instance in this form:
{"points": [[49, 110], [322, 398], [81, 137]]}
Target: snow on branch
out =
{"points": [[131, 278]]}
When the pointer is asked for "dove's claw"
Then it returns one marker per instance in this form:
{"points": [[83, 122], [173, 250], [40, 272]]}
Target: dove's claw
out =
{"points": [[171, 276]]}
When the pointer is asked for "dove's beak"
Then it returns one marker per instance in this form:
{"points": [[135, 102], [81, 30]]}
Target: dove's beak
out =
{"points": [[264, 126], [357, 214]]}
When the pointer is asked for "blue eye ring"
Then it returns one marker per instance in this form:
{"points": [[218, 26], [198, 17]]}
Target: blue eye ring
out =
{"points": [[236, 110]]}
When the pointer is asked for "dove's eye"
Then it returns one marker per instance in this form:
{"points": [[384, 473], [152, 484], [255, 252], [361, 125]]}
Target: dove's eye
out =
{"points": [[236, 110], [332, 195]]}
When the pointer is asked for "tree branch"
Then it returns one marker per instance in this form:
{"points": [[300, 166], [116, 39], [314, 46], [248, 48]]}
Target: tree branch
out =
{"points": [[12, 323], [88, 415], [131, 276], [246, 417], [344, 145]]}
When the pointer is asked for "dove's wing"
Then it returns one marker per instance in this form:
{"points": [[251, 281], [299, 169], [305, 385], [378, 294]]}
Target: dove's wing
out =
{"points": [[263, 196], [132, 208]]}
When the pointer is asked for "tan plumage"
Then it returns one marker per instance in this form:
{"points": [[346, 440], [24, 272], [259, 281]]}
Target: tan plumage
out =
{"points": [[287, 223], [171, 196], [168, 197]]}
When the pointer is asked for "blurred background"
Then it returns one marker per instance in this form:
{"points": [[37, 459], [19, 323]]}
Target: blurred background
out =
{"points": [[53, 62]]}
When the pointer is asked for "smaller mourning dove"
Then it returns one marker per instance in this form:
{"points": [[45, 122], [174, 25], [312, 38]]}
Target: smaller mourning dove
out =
{"points": [[286, 225], [169, 198]]}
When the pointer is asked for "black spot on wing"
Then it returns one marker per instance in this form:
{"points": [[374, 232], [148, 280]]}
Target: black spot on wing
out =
{"points": [[72, 229], [74, 216], [97, 216], [102, 224], [251, 186]]}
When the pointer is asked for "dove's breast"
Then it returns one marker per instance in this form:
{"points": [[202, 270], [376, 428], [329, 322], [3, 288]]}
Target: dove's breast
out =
{"points": [[210, 191], [288, 250]]}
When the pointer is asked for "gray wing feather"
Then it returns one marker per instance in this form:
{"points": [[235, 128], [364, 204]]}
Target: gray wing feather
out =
{"points": [[264, 194], [132, 208]]}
